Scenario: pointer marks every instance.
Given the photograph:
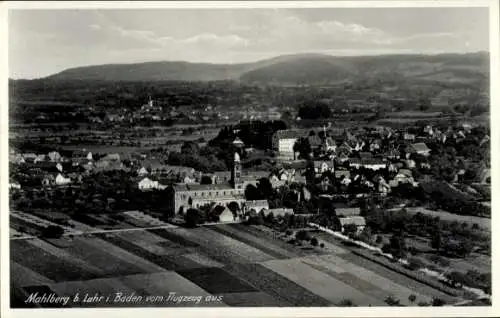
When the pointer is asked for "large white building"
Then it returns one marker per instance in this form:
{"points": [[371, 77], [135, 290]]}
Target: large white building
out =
{"points": [[283, 141]]}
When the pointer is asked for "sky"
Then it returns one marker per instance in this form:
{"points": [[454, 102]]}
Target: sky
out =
{"points": [[44, 42]]}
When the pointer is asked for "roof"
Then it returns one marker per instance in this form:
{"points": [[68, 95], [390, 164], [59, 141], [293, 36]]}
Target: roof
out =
{"points": [[202, 187], [256, 203], [357, 220], [368, 161], [153, 164], [288, 134], [420, 146], [405, 172], [314, 140], [319, 163], [340, 173], [279, 211], [348, 211], [365, 155]]}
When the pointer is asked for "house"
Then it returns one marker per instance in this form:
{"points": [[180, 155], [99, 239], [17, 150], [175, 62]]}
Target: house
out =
{"points": [[321, 166], [359, 221], [408, 136], [29, 157], [104, 165], [283, 141], [153, 166], [48, 180], [148, 184], [142, 172], [340, 174], [346, 211], [16, 159], [226, 216], [404, 176], [373, 164], [278, 211], [111, 157], [61, 180], [82, 154], [238, 143], [39, 158], [181, 197], [14, 185], [420, 148], [256, 205], [364, 155], [392, 154]]}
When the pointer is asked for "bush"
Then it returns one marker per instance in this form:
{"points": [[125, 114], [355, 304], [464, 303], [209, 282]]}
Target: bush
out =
{"points": [[314, 241], [288, 232], [438, 302], [302, 235], [322, 245], [53, 231]]}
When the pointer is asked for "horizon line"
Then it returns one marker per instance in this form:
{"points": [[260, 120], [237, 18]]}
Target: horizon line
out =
{"points": [[250, 62]]}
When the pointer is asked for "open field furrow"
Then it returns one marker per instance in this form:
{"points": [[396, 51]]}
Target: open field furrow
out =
{"points": [[124, 256], [283, 290], [413, 285], [265, 245], [161, 284], [320, 283], [161, 261], [46, 264], [204, 236], [21, 275]]}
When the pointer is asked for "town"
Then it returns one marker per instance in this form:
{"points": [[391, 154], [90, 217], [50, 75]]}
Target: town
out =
{"points": [[419, 195], [295, 156]]}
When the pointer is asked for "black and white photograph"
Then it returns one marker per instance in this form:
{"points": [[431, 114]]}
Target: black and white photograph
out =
{"points": [[249, 156]]}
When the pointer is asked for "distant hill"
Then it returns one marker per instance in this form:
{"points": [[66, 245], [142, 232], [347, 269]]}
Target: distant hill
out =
{"points": [[297, 69]]}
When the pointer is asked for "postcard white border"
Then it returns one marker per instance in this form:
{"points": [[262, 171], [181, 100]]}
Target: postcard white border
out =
{"points": [[246, 312]]}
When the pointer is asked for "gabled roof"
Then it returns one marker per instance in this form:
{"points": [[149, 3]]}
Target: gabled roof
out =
{"points": [[357, 220], [420, 147], [202, 187]]}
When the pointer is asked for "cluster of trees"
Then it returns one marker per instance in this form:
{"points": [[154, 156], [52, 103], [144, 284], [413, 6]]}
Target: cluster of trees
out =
{"points": [[314, 110], [446, 238], [206, 159], [103, 192]]}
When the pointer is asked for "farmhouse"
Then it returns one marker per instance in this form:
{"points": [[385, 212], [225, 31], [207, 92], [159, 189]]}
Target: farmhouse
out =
{"points": [[256, 205], [345, 212], [420, 148], [359, 221], [148, 184]]}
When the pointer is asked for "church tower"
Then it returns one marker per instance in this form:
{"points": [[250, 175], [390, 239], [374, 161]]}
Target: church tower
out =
{"points": [[236, 172]]}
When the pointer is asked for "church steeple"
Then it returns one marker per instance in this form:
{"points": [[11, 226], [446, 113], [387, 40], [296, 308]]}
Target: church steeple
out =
{"points": [[236, 172]]}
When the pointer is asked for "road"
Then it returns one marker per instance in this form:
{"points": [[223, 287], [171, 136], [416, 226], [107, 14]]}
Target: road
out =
{"points": [[102, 231]]}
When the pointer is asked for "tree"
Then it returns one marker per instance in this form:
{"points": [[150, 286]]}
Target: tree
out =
{"points": [[265, 188], [53, 231], [234, 207], [436, 240], [392, 301], [302, 235], [190, 148], [206, 180], [438, 302], [346, 303], [314, 241], [350, 230], [398, 245], [193, 217], [412, 298]]}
